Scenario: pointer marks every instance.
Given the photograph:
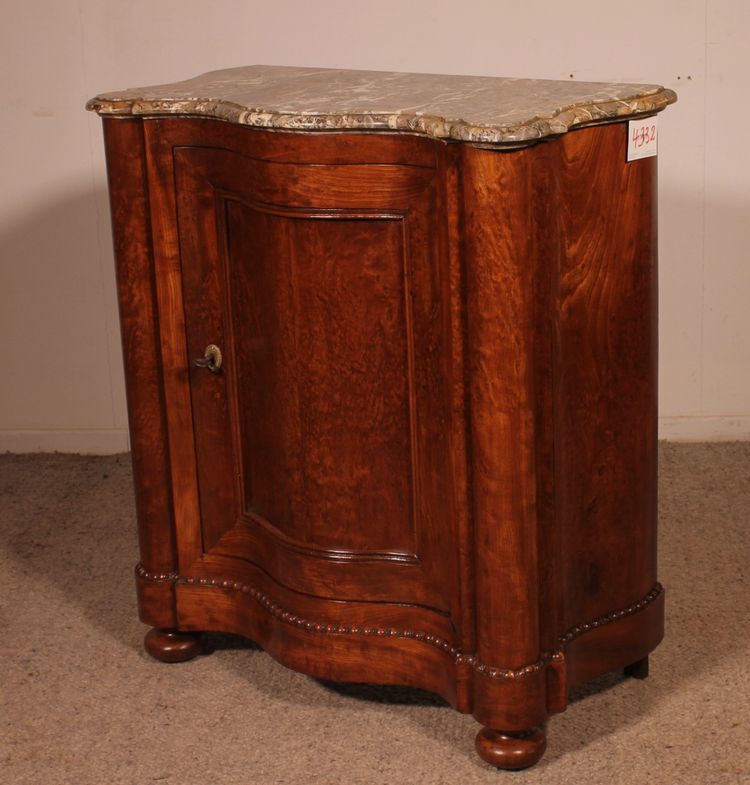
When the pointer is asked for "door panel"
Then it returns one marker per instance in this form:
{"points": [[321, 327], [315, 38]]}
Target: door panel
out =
{"points": [[329, 411], [319, 323]]}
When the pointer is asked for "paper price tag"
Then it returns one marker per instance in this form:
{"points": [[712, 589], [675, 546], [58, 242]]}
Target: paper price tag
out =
{"points": [[642, 137]]}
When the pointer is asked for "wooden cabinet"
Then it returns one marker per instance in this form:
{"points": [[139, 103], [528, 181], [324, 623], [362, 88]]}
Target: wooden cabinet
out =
{"points": [[393, 405]]}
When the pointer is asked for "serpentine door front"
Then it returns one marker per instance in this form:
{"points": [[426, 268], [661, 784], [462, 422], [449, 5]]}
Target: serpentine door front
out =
{"points": [[322, 452]]}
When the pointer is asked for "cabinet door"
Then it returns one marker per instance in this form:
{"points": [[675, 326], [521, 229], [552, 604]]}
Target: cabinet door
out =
{"points": [[321, 447]]}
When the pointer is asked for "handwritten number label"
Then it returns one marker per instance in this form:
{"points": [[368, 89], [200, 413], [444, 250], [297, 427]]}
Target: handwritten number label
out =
{"points": [[642, 136]]}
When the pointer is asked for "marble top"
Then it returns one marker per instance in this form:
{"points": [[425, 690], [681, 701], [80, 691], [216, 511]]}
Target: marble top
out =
{"points": [[478, 109]]}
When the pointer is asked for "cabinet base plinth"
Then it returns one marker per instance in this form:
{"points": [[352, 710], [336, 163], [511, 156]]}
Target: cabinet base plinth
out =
{"points": [[172, 645], [511, 750]]}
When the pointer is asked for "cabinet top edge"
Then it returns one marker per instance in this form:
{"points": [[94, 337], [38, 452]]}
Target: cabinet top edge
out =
{"points": [[475, 109]]}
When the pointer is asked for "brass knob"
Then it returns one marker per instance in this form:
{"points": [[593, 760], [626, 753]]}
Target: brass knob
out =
{"points": [[211, 358]]}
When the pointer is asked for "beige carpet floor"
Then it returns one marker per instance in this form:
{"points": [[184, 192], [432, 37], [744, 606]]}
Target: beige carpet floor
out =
{"points": [[81, 703]]}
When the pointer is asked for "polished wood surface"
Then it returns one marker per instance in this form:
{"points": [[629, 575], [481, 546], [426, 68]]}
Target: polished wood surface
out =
{"points": [[139, 325], [428, 457], [172, 646], [511, 751]]}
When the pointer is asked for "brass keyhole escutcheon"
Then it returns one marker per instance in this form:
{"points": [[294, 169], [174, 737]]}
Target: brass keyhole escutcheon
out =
{"points": [[211, 358]]}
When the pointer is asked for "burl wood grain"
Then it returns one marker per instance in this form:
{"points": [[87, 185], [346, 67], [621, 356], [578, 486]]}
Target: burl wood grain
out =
{"points": [[327, 289], [605, 376], [429, 455], [139, 325], [332, 296]]}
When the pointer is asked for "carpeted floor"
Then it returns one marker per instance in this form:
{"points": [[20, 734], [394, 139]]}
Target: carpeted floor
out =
{"points": [[82, 704]]}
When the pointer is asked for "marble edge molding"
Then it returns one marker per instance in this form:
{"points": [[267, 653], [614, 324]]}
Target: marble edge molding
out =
{"points": [[558, 122]]}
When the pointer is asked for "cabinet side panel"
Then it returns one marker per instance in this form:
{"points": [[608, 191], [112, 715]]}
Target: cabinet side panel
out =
{"points": [[605, 375], [129, 205]]}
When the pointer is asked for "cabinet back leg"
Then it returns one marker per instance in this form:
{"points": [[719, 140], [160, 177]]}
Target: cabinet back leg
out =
{"points": [[637, 670]]}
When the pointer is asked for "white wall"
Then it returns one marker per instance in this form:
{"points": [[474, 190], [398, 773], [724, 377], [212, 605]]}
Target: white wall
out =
{"points": [[61, 382]]}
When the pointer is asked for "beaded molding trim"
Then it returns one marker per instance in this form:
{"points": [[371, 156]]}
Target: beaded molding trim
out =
{"points": [[459, 657], [155, 577]]}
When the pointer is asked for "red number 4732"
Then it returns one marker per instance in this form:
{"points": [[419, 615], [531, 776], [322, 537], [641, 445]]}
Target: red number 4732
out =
{"points": [[644, 135]]}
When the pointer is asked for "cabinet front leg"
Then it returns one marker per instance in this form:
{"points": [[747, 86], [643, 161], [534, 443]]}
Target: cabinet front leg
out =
{"points": [[511, 749], [172, 645]]}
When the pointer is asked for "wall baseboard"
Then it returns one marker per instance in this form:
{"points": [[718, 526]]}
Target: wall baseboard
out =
{"points": [[725, 428], [107, 441], [86, 441]]}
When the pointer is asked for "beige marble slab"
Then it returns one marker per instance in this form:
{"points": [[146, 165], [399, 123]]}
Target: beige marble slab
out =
{"points": [[478, 109]]}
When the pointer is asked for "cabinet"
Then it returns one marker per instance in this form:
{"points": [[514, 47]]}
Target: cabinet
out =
{"points": [[392, 384]]}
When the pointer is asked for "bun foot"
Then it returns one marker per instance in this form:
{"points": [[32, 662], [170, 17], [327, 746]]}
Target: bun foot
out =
{"points": [[511, 749], [638, 670], [172, 646]]}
